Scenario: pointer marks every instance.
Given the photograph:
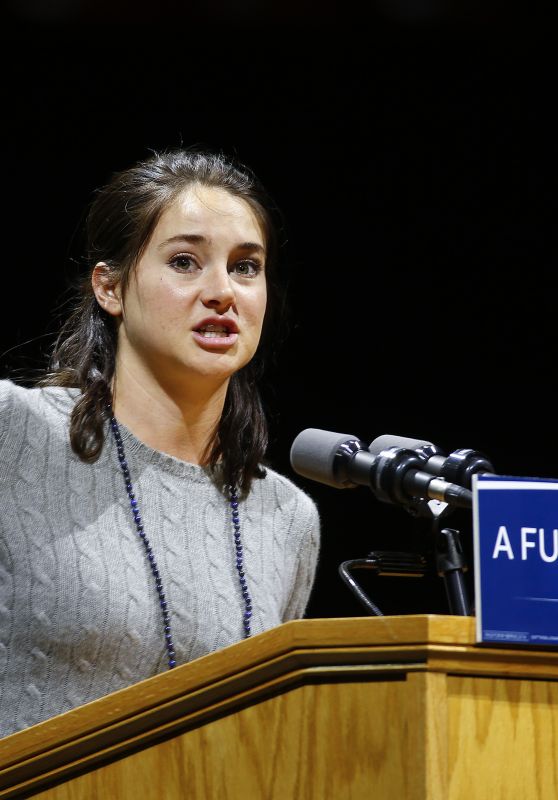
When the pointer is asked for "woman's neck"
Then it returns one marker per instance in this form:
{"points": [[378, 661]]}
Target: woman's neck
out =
{"points": [[178, 423]]}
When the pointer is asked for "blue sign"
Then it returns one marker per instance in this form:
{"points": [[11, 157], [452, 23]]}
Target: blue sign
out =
{"points": [[515, 529]]}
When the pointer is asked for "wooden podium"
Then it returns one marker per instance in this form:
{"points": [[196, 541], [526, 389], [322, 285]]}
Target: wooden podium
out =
{"points": [[402, 707]]}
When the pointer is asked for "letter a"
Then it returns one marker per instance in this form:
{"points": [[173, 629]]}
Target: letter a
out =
{"points": [[503, 544]]}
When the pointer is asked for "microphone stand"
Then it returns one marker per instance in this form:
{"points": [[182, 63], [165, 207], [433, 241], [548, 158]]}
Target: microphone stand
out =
{"points": [[450, 562], [451, 565]]}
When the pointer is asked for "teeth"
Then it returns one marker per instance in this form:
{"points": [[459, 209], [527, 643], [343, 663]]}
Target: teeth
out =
{"points": [[213, 331]]}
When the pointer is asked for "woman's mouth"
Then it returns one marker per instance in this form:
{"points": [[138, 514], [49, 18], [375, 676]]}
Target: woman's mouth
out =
{"points": [[213, 331], [216, 333]]}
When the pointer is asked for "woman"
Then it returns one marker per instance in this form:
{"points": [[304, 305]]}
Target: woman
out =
{"points": [[139, 529]]}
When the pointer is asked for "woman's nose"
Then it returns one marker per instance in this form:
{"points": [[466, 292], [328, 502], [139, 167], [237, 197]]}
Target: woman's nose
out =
{"points": [[218, 291]]}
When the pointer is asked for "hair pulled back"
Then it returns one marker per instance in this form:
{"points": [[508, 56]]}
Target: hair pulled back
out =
{"points": [[119, 225]]}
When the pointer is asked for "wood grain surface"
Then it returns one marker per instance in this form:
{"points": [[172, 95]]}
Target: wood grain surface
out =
{"points": [[408, 708]]}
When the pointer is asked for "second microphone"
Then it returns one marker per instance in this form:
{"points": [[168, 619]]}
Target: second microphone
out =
{"points": [[395, 474]]}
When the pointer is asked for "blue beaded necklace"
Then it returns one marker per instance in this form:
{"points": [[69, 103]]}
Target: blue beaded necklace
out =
{"points": [[233, 495]]}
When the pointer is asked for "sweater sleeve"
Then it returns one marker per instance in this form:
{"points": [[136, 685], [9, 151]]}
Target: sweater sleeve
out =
{"points": [[308, 521], [7, 410], [5, 407]]}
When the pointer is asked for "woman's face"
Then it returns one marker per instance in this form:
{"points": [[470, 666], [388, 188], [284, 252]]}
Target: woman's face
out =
{"points": [[195, 304]]}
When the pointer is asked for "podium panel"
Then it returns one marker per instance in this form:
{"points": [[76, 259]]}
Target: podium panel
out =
{"points": [[340, 709]]}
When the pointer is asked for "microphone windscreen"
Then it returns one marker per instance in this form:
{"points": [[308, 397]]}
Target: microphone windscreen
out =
{"points": [[388, 440], [313, 455]]}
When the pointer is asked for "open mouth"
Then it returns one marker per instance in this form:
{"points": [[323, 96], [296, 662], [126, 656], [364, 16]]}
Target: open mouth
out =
{"points": [[213, 331], [217, 333]]}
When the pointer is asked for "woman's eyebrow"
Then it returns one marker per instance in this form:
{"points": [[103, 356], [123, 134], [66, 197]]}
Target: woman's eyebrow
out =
{"points": [[251, 246], [192, 238], [198, 238]]}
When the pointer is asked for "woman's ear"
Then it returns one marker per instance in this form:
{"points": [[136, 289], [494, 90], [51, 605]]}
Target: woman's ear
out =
{"points": [[106, 287]]}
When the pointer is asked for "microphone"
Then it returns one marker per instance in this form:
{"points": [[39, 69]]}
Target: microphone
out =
{"points": [[459, 467], [394, 474]]}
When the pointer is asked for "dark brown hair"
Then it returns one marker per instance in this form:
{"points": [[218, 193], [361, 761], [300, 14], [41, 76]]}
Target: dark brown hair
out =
{"points": [[120, 222]]}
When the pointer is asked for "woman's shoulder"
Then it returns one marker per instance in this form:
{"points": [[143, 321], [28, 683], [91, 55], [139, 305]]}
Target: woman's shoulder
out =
{"points": [[58, 396], [284, 492], [46, 402]]}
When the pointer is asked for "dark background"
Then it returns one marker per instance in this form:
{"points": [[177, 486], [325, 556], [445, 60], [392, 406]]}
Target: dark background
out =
{"points": [[412, 149]]}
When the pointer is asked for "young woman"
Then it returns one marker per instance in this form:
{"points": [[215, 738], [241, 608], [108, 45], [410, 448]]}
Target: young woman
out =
{"points": [[139, 528]]}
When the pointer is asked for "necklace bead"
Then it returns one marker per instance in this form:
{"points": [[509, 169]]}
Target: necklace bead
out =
{"points": [[233, 495], [247, 616]]}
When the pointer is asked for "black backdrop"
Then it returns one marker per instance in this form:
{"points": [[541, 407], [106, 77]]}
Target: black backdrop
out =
{"points": [[412, 152]]}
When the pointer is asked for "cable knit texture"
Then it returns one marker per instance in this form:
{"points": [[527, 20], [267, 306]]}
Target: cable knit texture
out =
{"points": [[79, 613]]}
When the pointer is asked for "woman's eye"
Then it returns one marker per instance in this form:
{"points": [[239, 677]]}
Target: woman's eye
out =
{"points": [[248, 269], [183, 262]]}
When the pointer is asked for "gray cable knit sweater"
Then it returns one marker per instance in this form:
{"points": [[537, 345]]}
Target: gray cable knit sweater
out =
{"points": [[79, 612]]}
